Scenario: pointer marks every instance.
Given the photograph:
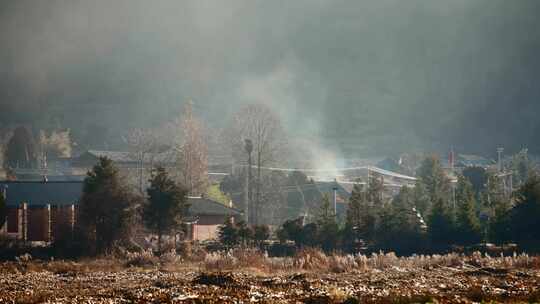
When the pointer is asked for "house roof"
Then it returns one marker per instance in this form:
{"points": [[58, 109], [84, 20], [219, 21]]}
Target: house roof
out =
{"points": [[129, 157], [206, 206], [474, 160], [36, 193]]}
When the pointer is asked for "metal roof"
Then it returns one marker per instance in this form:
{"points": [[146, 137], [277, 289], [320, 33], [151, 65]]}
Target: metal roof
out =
{"points": [[36, 193], [206, 206], [131, 157]]}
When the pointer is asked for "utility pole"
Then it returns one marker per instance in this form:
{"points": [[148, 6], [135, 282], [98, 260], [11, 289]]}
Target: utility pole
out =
{"points": [[335, 188], [248, 148], [499, 154]]}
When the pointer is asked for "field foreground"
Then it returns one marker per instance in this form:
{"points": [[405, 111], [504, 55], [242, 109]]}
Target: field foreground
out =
{"points": [[70, 282]]}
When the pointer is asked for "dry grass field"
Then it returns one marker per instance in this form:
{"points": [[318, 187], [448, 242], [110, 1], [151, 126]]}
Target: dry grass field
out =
{"points": [[248, 276]]}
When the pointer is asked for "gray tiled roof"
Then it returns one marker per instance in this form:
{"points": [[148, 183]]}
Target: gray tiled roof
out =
{"points": [[128, 157], [205, 206], [42, 193]]}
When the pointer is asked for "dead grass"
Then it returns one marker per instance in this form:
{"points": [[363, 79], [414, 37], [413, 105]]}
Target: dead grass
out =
{"points": [[247, 259]]}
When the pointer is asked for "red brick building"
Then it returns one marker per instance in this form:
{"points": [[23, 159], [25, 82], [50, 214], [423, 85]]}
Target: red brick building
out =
{"points": [[206, 216], [40, 211], [45, 211]]}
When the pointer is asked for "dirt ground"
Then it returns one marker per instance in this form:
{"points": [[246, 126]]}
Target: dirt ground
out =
{"points": [[393, 285]]}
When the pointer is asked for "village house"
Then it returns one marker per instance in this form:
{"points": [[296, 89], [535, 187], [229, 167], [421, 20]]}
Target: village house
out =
{"points": [[42, 211]]}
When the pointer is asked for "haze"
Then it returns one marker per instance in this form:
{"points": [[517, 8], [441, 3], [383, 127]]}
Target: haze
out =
{"points": [[362, 77]]}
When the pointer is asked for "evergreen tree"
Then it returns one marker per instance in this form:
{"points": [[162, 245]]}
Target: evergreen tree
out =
{"points": [[400, 228], [478, 178], [261, 233], [354, 218], [521, 167], [3, 210], [228, 233], [468, 230], [440, 224], [432, 176], [106, 208], [421, 199], [499, 225], [525, 216], [326, 222], [245, 233], [167, 204]]}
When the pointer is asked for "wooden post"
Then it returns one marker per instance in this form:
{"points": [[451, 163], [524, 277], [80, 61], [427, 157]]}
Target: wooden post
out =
{"points": [[24, 222], [49, 226], [72, 219]]}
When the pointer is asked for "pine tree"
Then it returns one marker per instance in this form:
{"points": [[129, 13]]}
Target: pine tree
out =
{"points": [[440, 224], [432, 176], [525, 216], [106, 208], [421, 199], [468, 230], [228, 233], [400, 228], [3, 210], [326, 221], [500, 225], [166, 205]]}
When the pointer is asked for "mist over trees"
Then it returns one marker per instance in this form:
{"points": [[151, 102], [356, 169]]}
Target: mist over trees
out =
{"points": [[382, 76]]}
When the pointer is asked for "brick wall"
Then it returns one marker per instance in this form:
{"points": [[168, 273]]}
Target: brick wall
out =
{"points": [[62, 221], [38, 223]]}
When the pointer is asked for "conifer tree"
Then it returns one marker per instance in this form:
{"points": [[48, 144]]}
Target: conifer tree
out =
{"points": [[525, 216], [400, 228], [3, 210], [440, 224], [228, 233], [166, 205], [326, 221], [499, 225], [468, 230], [106, 208], [432, 176]]}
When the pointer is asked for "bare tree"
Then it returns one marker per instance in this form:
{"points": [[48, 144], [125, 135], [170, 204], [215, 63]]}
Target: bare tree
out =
{"points": [[258, 123], [192, 160], [143, 145], [55, 145]]}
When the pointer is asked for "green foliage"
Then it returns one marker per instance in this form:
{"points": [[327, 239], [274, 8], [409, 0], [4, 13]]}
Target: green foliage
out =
{"points": [[3, 210], [525, 216], [421, 199], [326, 213], [106, 208], [441, 224], [478, 177], [327, 225], [468, 230], [233, 234], [245, 233], [228, 233], [499, 225], [361, 219], [166, 205], [400, 228], [432, 176], [261, 233], [521, 167]]}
